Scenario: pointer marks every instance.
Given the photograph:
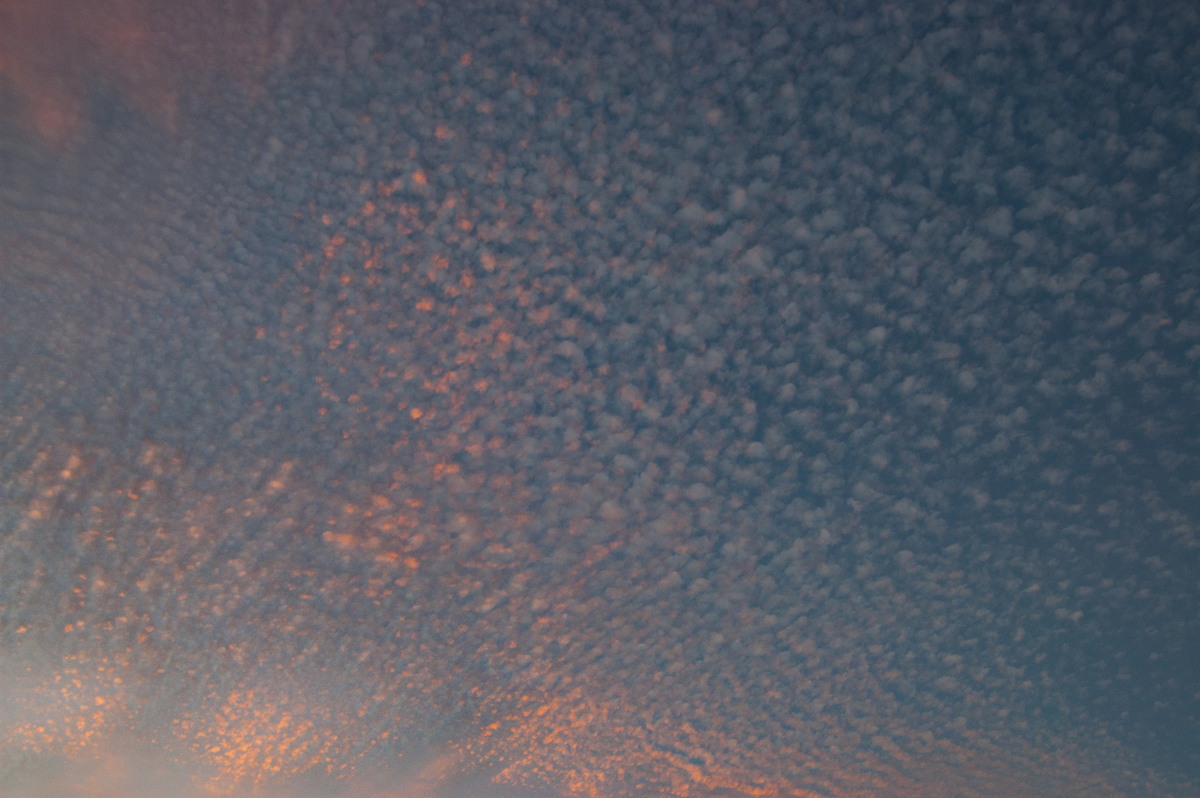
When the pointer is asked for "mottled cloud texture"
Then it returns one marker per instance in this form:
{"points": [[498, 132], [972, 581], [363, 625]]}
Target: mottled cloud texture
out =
{"points": [[463, 399]]}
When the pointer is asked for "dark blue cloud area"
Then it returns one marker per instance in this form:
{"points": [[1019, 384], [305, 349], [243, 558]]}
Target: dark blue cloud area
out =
{"points": [[614, 399]]}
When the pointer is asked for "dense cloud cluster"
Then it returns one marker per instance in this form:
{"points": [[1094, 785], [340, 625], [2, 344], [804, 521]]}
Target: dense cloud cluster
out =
{"points": [[617, 399]]}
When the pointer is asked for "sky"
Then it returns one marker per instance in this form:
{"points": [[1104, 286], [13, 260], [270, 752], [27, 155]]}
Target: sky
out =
{"points": [[534, 399]]}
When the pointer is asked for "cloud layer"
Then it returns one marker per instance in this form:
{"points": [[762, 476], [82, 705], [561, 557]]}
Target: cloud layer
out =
{"points": [[612, 399]]}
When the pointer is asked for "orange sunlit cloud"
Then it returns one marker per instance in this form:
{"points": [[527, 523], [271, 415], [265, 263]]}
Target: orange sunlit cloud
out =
{"points": [[60, 58]]}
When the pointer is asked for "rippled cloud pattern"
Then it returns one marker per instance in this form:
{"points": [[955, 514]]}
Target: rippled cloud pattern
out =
{"points": [[526, 398]]}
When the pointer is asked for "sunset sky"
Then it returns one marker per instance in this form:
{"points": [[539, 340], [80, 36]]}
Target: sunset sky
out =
{"points": [[540, 399]]}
